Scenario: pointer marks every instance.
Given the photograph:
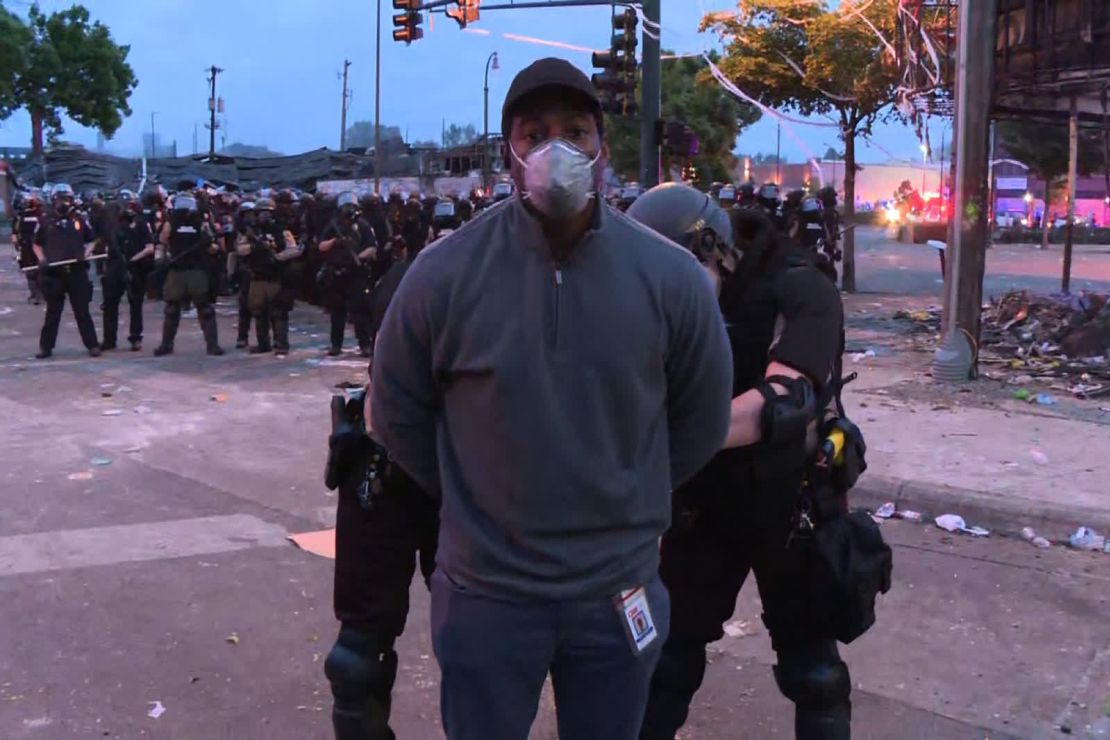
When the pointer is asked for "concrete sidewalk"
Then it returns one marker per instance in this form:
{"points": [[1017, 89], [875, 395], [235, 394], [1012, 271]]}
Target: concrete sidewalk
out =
{"points": [[974, 451]]}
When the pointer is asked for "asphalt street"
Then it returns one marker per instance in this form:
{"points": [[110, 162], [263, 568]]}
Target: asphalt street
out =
{"points": [[144, 565]]}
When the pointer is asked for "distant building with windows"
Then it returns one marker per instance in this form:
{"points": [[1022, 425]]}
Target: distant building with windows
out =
{"points": [[16, 155]]}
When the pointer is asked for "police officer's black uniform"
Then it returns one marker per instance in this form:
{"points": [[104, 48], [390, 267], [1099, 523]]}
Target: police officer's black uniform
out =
{"points": [[382, 534], [346, 279], [187, 278], [27, 220], [125, 276], [737, 515], [62, 236]]}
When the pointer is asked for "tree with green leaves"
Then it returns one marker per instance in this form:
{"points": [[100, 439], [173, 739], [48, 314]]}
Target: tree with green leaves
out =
{"points": [[456, 135], [361, 134], [816, 57], [1044, 150], [689, 95], [67, 66], [15, 37]]}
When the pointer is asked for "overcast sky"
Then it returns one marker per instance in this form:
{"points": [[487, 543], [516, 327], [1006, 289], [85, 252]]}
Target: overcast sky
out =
{"points": [[281, 60]]}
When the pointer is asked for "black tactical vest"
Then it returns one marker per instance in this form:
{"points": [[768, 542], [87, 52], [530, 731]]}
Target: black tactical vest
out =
{"points": [[64, 239], [186, 250]]}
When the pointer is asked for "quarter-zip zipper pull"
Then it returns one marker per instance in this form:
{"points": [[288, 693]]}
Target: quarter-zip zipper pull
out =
{"points": [[558, 276]]}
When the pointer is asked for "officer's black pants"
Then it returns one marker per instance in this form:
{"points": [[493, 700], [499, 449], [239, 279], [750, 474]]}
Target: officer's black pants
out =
{"points": [[244, 305], [350, 299], [115, 284], [377, 552], [58, 283], [703, 565]]}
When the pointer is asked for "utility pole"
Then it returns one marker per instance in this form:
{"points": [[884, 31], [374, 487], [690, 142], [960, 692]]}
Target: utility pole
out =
{"points": [[651, 104], [194, 138], [213, 71], [378, 106], [1073, 157], [343, 110], [955, 358], [153, 146]]}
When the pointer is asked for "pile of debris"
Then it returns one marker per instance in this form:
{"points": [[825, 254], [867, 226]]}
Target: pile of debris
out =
{"points": [[1041, 336]]}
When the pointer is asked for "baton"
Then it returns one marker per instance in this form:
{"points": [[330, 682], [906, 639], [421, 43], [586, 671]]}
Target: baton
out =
{"points": [[32, 268]]}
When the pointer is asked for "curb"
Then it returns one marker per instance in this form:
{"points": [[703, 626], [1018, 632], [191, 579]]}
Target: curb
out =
{"points": [[997, 512]]}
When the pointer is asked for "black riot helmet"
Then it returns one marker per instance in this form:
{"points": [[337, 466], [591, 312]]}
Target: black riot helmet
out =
{"points": [[687, 217], [347, 204], [768, 195], [63, 199], [827, 195], [755, 234], [745, 195]]}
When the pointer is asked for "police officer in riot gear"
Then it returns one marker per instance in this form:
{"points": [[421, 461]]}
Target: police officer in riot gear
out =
{"points": [[245, 220], [349, 247], [129, 264], [62, 244], [769, 200], [29, 214], [267, 248], [188, 241], [738, 514]]}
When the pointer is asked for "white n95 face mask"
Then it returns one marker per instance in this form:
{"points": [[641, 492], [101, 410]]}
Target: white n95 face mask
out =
{"points": [[558, 178]]}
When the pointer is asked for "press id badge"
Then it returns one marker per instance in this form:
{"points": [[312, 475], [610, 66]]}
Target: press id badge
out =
{"points": [[633, 606]]}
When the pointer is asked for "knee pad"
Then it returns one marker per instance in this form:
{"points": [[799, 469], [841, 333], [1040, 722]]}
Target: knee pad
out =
{"points": [[815, 680], [361, 664], [173, 310]]}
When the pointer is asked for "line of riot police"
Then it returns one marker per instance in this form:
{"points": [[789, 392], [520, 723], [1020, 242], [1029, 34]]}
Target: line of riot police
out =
{"points": [[267, 249]]}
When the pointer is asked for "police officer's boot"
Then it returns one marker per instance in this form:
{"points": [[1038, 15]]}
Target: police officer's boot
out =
{"points": [[244, 330], [817, 681], [261, 334], [207, 316], [361, 669], [169, 329], [281, 333]]}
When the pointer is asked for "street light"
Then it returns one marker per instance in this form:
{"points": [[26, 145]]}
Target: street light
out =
{"points": [[485, 142], [153, 151]]}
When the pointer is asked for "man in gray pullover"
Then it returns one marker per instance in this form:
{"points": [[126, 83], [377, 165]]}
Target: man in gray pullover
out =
{"points": [[550, 372]]}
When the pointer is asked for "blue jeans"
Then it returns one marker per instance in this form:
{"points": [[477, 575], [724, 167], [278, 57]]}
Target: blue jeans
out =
{"points": [[495, 655]]}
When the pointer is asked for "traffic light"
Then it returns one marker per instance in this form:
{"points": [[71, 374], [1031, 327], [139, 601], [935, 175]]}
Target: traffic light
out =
{"points": [[679, 140], [406, 25], [466, 13], [616, 82]]}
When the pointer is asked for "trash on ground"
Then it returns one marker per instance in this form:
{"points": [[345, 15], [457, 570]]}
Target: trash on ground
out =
{"points": [[111, 412], [1041, 542], [1028, 534], [156, 710], [232, 639], [1086, 538], [1038, 457], [101, 461], [951, 522], [956, 523], [141, 409], [321, 542], [133, 448], [738, 628], [1022, 395], [909, 515], [886, 511], [105, 394], [1044, 399], [80, 475], [218, 397], [864, 355]]}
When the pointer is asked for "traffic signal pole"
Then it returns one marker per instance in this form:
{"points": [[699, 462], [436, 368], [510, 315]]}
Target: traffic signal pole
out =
{"points": [[651, 91]]}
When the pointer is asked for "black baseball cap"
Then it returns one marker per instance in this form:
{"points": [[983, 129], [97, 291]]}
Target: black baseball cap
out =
{"points": [[548, 72]]}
